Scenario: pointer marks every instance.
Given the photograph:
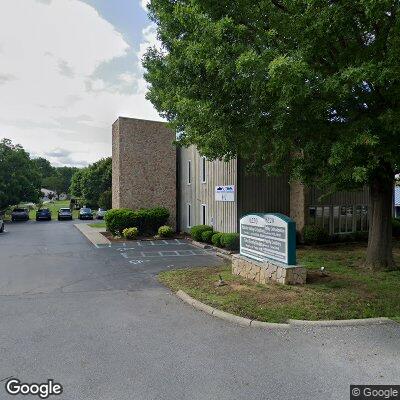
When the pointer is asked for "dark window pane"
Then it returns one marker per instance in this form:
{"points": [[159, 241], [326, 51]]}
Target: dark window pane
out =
{"points": [[312, 213], [342, 219], [336, 219], [327, 218], [318, 218], [358, 219], [350, 219]]}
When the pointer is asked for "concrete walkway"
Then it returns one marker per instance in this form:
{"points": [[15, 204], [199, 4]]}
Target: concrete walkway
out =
{"points": [[93, 234]]}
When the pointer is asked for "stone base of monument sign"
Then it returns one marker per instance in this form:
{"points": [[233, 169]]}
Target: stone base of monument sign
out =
{"points": [[268, 271]]}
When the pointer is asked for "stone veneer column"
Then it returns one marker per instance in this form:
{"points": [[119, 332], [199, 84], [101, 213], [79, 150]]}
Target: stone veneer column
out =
{"points": [[299, 195], [144, 165]]}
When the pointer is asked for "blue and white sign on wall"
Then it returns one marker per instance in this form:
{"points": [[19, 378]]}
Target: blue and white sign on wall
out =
{"points": [[225, 193], [268, 236]]}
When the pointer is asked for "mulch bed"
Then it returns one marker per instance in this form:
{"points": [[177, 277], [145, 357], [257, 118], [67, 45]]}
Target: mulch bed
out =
{"points": [[113, 238]]}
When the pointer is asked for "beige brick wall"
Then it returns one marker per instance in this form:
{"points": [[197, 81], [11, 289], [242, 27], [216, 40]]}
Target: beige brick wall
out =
{"points": [[144, 165]]}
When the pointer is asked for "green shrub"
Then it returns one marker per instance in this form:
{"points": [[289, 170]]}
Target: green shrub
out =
{"points": [[150, 219], [146, 220], [206, 236], [216, 239], [119, 219], [396, 226], [130, 233], [197, 231], [313, 234], [165, 231], [230, 241]]}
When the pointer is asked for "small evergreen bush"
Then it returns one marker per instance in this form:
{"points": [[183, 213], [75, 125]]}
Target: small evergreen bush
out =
{"points": [[230, 241], [206, 236], [165, 231], [396, 227], [216, 239], [313, 234], [119, 219], [130, 233], [197, 231]]}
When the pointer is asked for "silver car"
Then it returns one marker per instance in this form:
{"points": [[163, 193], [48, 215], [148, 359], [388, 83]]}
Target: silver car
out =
{"points": [[101, 212]]}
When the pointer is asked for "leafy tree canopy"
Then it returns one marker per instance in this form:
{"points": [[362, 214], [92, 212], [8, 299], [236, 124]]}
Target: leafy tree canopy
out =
{"points": [[91, 182], [19, 176], [309, 87]]}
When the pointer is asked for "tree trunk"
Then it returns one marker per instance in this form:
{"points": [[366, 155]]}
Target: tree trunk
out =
{"points": [[380, 248]]}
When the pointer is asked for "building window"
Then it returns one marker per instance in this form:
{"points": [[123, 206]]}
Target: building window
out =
{"points": [[189, 215], [339, 219], [189, 172], [358, 219], [203, 216], [336, 219], [312, 213], [203, 170]]}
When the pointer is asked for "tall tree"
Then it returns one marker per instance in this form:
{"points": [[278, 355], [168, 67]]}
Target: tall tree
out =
{"points": [[91, 182], [307, 87], [44, 167], [19, 177]]}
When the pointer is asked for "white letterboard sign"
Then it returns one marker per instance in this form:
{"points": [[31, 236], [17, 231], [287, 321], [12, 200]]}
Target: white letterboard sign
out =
{"points": [[268, 236], [225, 193]]}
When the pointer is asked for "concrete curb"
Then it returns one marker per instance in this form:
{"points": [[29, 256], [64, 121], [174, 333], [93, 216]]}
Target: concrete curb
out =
{"points": [[342, 322], [93, 234], [270, 325], [225, 254], [227, 316]]}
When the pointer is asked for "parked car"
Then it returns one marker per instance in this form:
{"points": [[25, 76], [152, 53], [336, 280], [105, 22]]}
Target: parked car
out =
{"points": [[85, 213], [43, 214], [101, 212], [20, 214], [64, 213], [1, 224]]}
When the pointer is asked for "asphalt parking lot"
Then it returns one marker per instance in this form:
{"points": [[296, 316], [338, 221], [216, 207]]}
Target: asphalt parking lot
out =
{"points": [[97, 321]]}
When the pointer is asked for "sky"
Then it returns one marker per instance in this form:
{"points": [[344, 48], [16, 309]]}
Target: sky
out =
{"points": [[68, 69]]}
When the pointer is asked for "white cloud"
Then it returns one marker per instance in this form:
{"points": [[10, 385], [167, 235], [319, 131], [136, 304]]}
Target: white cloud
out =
{"points": [[50, 51], [144, 4]]}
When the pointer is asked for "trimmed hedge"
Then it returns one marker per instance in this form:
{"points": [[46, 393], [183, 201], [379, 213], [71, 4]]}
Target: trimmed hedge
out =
{"points": [[313, 234], [130, 233], [165, 231], [230, 241], [206, 236], [147, 221], [197, 231], [119, 219], [216, 239]]}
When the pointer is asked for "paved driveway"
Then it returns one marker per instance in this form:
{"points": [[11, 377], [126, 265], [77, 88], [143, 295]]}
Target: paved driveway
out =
{"points": [[97, 321]]}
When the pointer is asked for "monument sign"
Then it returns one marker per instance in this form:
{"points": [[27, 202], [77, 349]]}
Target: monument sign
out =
{"points": [[268, 237]]}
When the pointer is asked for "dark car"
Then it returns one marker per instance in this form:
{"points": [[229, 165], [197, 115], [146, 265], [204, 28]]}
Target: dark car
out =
{"points": [[20, 214], [1, 224], [43, 214], [64, 213], [85, 213]]}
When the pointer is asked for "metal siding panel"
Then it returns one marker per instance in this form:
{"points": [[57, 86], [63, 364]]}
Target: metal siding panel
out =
{"points": [[198, 193], [261, 193]]}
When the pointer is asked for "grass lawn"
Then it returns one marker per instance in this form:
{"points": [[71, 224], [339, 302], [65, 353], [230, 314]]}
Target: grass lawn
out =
{"points": [[100, 224], [347, 292], [53, 207]]}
